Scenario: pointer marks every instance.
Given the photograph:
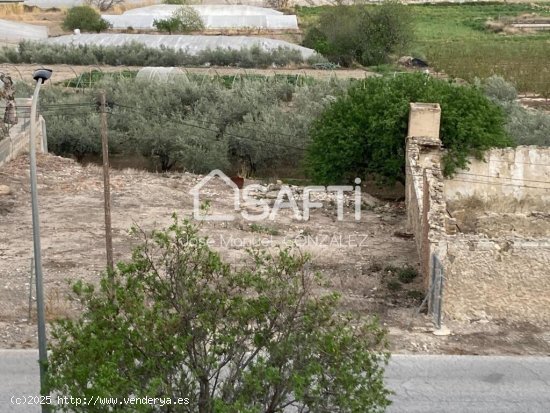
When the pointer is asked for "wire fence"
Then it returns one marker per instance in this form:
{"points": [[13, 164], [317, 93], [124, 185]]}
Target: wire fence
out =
{"points": [[86, 109]]}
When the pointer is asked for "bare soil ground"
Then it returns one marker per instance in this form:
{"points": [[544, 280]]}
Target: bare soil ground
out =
{"points": [[355, 256], [51, 18]]}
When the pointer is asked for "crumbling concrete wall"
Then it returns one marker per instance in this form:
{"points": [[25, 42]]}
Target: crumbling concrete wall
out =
{"points": [[485, 276], [505, 278], [513, 175]]}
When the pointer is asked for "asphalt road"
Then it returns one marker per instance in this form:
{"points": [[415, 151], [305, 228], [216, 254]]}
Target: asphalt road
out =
{"points": [[441, 384]]}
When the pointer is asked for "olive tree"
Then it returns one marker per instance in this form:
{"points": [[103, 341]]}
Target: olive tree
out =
{"points": [[178, 321], [360, 33]]}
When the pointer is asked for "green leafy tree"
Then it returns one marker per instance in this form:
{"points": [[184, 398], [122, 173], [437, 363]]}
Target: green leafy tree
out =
{"points": [[186, 19], [177, 321], [84, 18], [365, 34], [364, 131], [170, 25]]}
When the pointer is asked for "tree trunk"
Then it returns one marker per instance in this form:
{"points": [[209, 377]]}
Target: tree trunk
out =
{"points": [[204, 396]]}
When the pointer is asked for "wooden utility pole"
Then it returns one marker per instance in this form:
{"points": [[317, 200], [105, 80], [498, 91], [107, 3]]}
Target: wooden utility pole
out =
{"points": [[106, 181]]}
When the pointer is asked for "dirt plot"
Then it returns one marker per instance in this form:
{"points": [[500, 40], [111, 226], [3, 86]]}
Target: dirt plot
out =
{"points": [[61, 73], [362, 260]]}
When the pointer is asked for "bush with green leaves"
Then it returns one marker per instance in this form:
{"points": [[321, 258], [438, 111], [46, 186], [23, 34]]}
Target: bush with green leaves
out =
{"points": [[136, 54], [361, 33], [84, 18], [525, 126], [364, 131], [184, 20], [170, 25], [179, 322]]}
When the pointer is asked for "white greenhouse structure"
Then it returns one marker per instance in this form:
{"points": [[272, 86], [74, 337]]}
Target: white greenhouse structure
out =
{"points": [[161, 74], [213, 17], [14, 32], [193, 45]]}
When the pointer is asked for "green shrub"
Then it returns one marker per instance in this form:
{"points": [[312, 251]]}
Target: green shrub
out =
{"points": [[190, 19], [359, 33], [186, 19], [84, 18], [525, 126], [170, 25], [364, 131], [407, 274], [264, 229], [178, 322], [498, 89]]}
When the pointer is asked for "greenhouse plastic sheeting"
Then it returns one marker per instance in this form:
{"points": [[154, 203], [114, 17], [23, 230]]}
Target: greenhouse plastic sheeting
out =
{"points": [[191, 44], [11, 31], [159, 74], [213, 16], [207, 10]]}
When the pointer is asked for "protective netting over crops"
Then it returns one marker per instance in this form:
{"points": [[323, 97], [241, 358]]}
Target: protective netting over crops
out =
{"points": [[191, 44], [159, 74], [14, 31], [213, 16]]}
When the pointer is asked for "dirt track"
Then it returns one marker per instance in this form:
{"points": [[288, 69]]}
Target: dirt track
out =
{"points": [[65, 72], [353, 256]]}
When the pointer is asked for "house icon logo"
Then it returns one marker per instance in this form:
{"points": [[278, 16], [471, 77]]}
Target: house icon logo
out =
{"points": [[253, 199], [198, 210]]}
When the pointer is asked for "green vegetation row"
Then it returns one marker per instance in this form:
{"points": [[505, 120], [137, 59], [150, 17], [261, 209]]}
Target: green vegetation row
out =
{"points": [[258, 125], [136, 54], [332, 130], [89, 79]]}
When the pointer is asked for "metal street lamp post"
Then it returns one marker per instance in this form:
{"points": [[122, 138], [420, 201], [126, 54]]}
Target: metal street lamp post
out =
{"points": [[40, 76]]}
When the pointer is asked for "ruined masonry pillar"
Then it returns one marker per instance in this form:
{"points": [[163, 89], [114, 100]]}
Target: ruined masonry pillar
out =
{"points": [[423, 149], [424, 120]]}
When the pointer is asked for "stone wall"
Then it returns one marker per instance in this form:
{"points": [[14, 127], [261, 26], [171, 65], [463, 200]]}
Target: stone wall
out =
{"points": [[501, 274], [504, 278]]}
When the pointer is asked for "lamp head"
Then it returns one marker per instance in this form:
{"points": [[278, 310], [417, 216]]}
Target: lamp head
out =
{"points": [[43, 74]]}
